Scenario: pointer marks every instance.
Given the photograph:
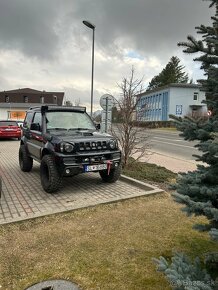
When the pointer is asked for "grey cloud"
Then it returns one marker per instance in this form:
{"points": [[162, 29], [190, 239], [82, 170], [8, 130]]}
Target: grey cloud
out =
{"points": [[29, 26], [41, 28], [151, 26]]}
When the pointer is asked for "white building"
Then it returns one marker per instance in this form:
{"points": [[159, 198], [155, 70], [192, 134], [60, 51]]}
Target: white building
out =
{"points": [[15, 103], [176, 99]]}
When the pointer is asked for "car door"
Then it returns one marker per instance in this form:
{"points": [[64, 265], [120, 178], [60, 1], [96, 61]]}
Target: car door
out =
{"points": [[26, 128], [36, 141]]}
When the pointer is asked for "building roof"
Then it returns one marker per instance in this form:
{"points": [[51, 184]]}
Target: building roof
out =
{"points": [[177, 85], [28, 91], [21, 105]]}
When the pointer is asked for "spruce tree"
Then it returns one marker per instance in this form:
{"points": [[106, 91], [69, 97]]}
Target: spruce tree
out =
{"points": [[198, 190], [172, 73]]}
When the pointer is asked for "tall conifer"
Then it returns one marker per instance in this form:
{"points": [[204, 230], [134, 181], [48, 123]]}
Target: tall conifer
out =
{"points": [[198, 190], [172, 73]]}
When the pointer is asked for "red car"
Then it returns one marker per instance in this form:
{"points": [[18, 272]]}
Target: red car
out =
{"points": [[9, 129]]}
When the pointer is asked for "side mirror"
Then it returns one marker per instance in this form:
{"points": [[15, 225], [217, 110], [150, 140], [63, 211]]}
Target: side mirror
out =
{"points": [[98, 126], [35, 127]]}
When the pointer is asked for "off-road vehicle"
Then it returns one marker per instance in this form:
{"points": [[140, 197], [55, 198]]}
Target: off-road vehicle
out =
{"points": [[66, 142]]}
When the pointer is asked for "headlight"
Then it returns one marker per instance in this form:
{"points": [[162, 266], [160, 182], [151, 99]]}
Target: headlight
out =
{"points": [[113, 144], [66, 147]]}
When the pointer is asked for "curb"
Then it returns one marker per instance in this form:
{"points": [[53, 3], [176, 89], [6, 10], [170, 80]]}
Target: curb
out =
{"points": [[149, 190], [142, 185]]}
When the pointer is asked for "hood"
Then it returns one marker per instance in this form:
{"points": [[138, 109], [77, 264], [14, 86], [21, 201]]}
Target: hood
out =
{"points": [[83, 136]]}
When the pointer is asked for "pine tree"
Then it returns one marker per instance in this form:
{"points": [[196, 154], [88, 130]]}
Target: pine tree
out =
{"points": [[198, 190], [172, 73]]}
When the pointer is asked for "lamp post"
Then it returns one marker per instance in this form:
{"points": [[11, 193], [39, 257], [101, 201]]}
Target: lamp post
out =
{"points": [[90, 25]]}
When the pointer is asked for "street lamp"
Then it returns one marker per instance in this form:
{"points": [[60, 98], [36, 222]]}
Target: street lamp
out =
{"points": [[90, 25]]}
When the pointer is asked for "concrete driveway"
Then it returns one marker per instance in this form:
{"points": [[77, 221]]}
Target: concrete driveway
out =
{"points": [[23, 197]]}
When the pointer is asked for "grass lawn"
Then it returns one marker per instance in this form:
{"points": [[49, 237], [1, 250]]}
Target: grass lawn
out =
{"points": [[106, 247], [149, 173]]}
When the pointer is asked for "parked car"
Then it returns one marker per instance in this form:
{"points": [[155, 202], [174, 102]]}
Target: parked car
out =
{"points": [[9, 129], [66, 142]]}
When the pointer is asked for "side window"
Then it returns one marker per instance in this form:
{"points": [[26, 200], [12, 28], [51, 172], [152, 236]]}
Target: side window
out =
{"points": [[38, 120], [25, 98], [28, 120], [195, 97]]}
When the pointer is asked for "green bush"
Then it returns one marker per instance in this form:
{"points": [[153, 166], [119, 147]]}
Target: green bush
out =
{"points": [[154, 124]]}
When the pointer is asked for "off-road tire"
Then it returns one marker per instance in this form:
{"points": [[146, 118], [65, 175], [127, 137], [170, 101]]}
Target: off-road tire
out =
{"points": [[51, 179], [26, 162], [113, 176]]}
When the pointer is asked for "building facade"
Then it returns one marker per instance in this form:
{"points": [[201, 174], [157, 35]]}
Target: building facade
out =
{"points": [[15, 103], [176, 99]]}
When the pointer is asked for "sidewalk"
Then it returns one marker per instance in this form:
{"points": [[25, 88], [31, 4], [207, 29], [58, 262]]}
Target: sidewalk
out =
{"points": [[174, 164]]}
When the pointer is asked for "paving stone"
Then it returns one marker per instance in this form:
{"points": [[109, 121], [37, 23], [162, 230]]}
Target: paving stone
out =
{"points": [[23, 196]]}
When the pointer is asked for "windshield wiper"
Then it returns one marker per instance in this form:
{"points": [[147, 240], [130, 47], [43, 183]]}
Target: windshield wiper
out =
{"points": [[80, 129]]}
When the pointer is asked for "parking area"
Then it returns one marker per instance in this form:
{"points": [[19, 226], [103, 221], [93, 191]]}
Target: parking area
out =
{"points": [[23, 197]]}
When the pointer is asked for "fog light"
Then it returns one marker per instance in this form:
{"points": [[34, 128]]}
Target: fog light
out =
{"points": [[67, 171]]}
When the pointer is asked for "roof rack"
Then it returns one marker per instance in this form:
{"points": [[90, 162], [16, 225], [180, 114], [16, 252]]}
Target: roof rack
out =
{"points": [[43, 105], [51, 107]]}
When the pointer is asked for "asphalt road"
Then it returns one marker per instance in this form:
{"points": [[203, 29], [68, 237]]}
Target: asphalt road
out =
{"points": [[171, 144]]}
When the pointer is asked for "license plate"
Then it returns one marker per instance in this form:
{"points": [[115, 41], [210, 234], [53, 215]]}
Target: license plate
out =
{"points": [[96, 167], [9, 129]]}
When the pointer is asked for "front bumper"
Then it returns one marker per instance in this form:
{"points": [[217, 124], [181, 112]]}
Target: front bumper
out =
{"points": [[76, 163]]}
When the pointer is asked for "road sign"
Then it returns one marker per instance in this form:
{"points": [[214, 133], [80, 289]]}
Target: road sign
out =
{"points": [[106, 118], [107, 102], [178, 109]]}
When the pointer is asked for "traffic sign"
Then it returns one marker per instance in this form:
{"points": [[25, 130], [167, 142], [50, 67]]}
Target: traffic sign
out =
{"points": [[106, 117], [107, 102]]}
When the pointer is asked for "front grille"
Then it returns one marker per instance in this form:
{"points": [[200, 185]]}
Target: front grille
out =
{"points": [[93, 145]]}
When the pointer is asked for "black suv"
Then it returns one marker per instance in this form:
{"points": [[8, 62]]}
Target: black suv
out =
{"points": [[66, 142]]}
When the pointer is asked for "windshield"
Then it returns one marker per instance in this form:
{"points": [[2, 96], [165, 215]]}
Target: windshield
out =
{"points": [[8, 123], [68, 121]]}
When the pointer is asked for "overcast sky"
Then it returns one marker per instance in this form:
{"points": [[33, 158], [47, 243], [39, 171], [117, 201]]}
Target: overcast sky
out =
{"points": [[44, 44]]}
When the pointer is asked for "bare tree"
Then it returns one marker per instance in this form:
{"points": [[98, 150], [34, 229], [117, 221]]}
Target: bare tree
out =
{"points": [[132, 140]]}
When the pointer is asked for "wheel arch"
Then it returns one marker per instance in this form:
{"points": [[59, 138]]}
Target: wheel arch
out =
{"points": [[45, 151]]}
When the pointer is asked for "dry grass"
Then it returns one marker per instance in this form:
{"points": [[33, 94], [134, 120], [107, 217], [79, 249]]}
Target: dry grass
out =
{"points": [[106, 247]]}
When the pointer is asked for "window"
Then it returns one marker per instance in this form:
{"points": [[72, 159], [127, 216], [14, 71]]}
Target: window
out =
{"points": [[195, 98], [55, 99], [7, 99], [28, 120], [25, 98], [38, 120]]}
